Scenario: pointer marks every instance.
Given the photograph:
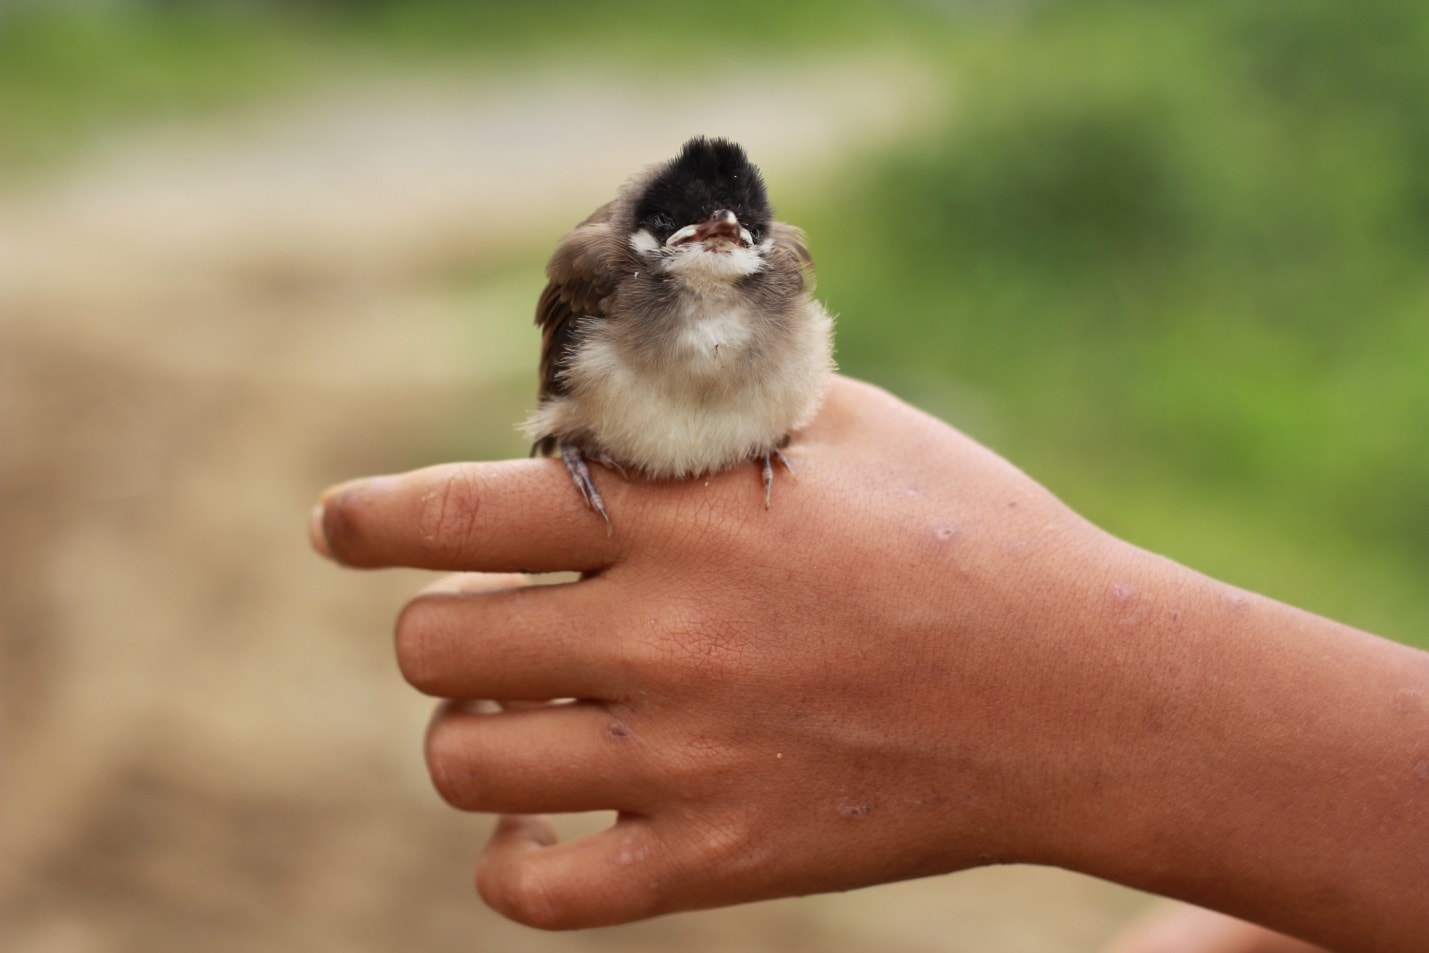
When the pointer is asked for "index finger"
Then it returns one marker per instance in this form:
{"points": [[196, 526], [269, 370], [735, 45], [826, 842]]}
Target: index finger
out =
{"points": [[507, 516]]}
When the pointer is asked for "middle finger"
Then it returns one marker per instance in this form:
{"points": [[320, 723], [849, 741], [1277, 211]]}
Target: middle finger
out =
{"points": [[522, 643]]}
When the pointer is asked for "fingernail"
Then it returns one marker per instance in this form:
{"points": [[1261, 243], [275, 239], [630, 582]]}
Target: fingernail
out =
{"points": [[316, 535]]}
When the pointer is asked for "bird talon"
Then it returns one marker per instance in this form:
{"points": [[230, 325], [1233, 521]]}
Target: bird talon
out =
{"points": [[766, 460], [610, 463], [787, 465], [580, 476]]}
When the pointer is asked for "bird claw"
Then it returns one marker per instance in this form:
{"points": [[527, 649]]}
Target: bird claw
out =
{"points": [[580, 475], [575, 460], [609, 462], [767, 459]]}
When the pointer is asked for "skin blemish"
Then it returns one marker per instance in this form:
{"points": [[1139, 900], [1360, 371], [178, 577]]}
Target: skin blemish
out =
{"points": [[617, 731], [631, 852], [947, 532], [1128, 603], [849, 807]]}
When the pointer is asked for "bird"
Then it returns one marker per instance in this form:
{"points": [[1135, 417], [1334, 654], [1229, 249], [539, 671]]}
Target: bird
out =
{"points": [[679, 332]]}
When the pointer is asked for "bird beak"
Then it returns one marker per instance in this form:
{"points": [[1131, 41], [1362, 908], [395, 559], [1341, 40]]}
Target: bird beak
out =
{"points": [[723, 224]]}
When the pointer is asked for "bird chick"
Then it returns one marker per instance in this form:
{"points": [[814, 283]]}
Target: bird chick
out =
{"points": [[679, 336]]}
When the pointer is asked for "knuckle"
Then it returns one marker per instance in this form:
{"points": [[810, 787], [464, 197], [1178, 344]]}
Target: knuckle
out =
{"points": [[720, 847], [449, 511], [702, 641], [526, 894]]}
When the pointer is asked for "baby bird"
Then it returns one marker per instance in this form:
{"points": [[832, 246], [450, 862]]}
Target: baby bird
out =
{"points": [[679, 336]]}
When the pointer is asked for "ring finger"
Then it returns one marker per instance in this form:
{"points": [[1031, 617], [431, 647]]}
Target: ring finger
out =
{"points": [[566, 757]]}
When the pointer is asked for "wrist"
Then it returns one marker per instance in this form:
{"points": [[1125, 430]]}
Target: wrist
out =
{"points": [[1230, 752], [1113, 698]]}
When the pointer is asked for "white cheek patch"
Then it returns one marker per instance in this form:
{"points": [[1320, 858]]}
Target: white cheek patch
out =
{"points": [[643, 243], [736, 263]]}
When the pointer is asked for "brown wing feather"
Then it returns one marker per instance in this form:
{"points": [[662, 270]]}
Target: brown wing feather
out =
{"points": [[789, 241], [792, 237], [580, 281]]}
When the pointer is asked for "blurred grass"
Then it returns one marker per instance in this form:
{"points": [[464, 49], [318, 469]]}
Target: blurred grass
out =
{"points": [[69, 73], [1170, 259], [1184, 247], [70, 69]]}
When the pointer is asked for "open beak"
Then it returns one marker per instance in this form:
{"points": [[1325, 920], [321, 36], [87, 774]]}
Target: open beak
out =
{"points": [[722, 225]]}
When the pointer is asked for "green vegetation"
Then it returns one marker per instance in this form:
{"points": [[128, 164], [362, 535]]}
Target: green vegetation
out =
{"points": [[1181, 251], [66, 75], [1169, 257], [70, 69]]}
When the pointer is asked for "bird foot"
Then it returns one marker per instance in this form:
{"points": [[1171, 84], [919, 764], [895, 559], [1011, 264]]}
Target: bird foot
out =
{"points": [[767, 459], [575, 460], [607, 461]]}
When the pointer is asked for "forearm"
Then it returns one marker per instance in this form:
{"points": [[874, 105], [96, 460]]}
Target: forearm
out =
{"points": [[1255, 759]]}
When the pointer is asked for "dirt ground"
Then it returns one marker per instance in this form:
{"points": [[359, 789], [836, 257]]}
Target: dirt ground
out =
{"points": [[206, 745]]}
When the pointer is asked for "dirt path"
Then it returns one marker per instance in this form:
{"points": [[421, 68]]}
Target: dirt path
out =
{"points": [[206, 745]]}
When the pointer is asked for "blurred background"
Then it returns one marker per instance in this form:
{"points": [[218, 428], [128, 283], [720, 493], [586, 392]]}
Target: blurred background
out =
{"points": [[1169, 258]]}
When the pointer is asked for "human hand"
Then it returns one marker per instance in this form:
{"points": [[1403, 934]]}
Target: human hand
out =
{"points": [[917, 661], [858, 685]]}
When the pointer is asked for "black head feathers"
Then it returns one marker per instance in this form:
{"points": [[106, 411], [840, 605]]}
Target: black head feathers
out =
{"points": [[708, 175]]}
